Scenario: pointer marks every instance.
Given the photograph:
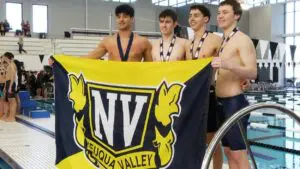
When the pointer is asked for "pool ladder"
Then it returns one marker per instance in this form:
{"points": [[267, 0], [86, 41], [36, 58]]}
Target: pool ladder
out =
{"points": [[236, 119]]}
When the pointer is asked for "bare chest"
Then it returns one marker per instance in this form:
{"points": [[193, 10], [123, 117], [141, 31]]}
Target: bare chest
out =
{"points": [[229, 51], [168, 53], [198, 50], [133, 52]]}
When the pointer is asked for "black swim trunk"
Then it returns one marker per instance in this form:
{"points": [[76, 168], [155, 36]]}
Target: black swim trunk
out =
{"points": [[1, 89], [212, 119], [13, 90], [226, 108]]}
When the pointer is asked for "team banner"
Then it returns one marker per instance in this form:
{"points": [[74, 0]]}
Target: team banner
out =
{"points": [[130, 115]]}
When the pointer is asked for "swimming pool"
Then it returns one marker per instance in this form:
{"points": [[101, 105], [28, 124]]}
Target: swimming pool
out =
{"points": [[4, 165], [270, 145]]}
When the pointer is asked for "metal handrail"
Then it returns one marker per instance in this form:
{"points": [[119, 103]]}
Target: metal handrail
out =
{"points": [[244, 136], [234, 119]]}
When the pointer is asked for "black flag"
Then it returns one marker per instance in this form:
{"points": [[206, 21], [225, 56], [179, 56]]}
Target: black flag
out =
{"points": [[41, 58], [273, 47], [293, 49], [255, 42]]}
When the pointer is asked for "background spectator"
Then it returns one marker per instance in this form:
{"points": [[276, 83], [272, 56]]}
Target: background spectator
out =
{"points": [[21, 44], [32, 84], [6, 26], [27, 29], [2, 29]]}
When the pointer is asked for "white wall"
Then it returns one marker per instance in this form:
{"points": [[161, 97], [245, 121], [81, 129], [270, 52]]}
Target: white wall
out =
{"points": [[32, 62], [65, 14], [260, 22], [278, 22], [267, 22], [183, 13]]}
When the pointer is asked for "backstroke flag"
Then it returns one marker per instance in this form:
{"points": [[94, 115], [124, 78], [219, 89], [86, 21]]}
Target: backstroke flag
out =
{"points": [[133, 115]]}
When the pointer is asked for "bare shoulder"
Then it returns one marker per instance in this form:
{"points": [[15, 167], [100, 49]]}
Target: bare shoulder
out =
{"points": [[182, 41], [109, 38], [107, 41], [155, 41], [141, 39], [215, 37], [243, 39]]}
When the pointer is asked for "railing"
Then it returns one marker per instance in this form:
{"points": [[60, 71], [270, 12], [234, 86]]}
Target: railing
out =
{"points": [[235, 119], [101, 32]]}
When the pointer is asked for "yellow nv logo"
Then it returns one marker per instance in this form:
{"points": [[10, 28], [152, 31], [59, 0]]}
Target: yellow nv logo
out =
{"points": [[78, 99], [117, 128], [168, 105]]}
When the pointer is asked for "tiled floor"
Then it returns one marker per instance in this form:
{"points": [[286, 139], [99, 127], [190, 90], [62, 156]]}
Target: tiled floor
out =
{"points": [[29, 148], [33, 149], [45, 123]]}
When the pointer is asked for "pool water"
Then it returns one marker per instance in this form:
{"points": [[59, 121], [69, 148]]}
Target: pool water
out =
{"points": [[4, 165]]}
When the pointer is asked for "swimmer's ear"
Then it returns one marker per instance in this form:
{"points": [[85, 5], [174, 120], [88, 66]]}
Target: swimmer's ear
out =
{"points": [[132, 19], [206, 19], [175, 24], [237, 17]]}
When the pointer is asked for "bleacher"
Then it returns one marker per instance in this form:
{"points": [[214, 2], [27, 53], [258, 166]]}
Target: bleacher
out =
{"points": [[78, 46], [33, 46]]}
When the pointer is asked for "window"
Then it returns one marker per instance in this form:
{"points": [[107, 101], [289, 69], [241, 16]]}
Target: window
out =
{"points": [[172, 2], [40, 18], [297, 24], [180, 1], [126, 1], [216, 2], [297, 54], [289, 23], [297, 42], [289, 40], [163, 3], [14, 15], [290, 7], [292, 27], [190, 1], [297, 6]]}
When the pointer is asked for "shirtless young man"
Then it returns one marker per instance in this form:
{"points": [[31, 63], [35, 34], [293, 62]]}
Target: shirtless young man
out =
{"points": [[205, 44], [3, 66], [168, 47], [236, 63], [10, 87], [124, 45]]}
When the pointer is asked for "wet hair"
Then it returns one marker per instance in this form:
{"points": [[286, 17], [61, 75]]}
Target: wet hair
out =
{"points": [[203, 9], [124, 8], [168, 13], [9, 55], [236, 6]]}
